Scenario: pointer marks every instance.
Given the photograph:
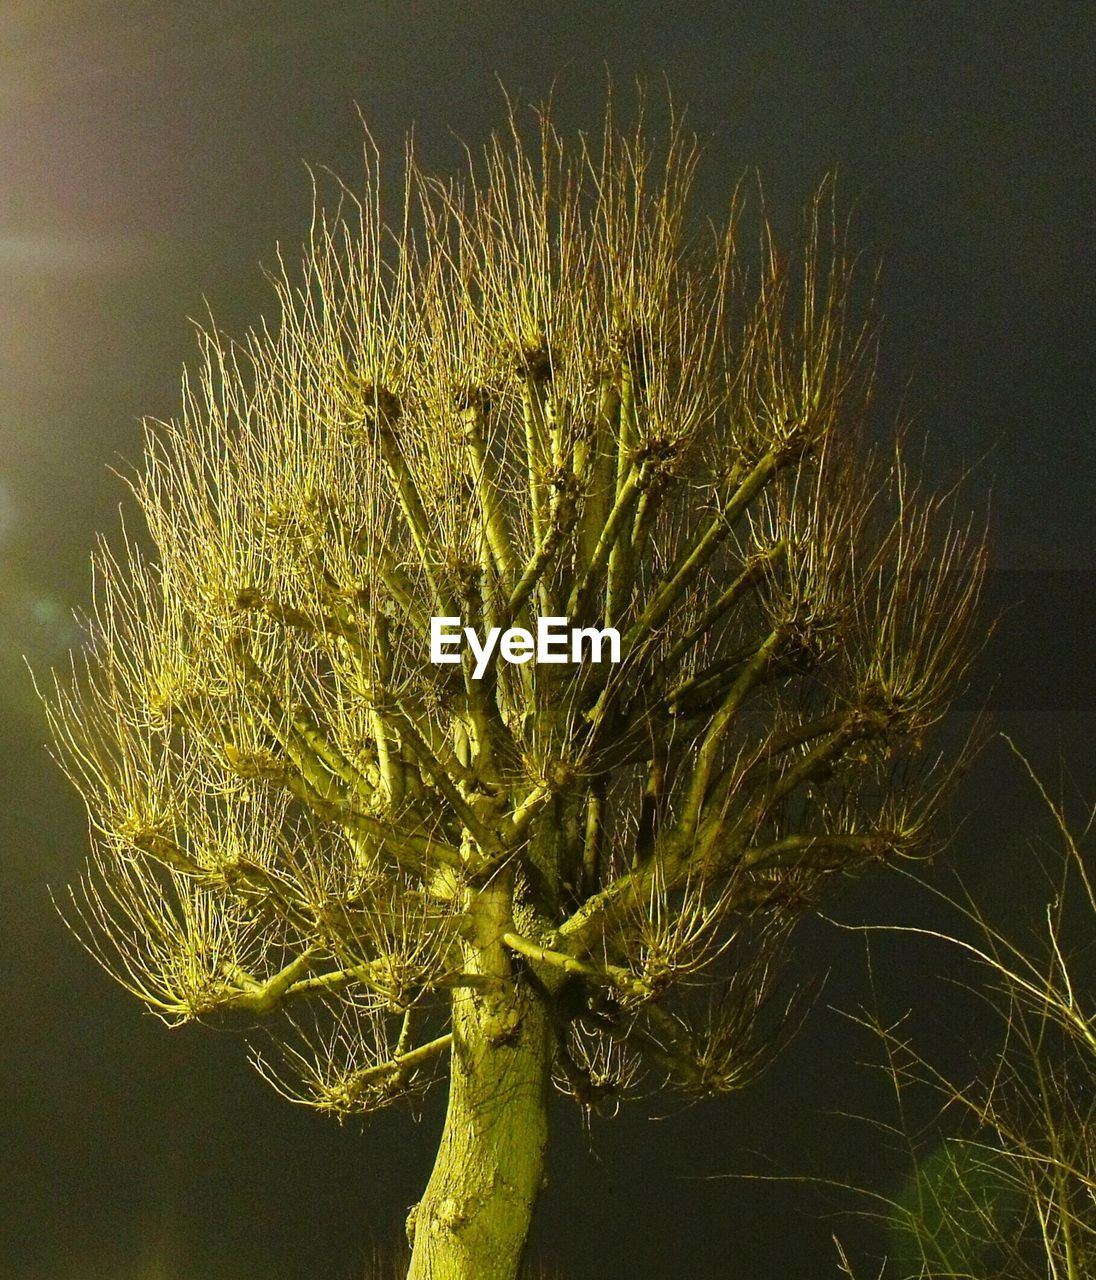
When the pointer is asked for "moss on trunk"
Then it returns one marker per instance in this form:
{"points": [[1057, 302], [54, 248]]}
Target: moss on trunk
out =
{"points": [[474, 1217]]}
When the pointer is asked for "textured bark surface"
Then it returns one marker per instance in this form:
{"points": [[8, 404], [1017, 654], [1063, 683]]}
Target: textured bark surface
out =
{"points": [[474, 1217]]}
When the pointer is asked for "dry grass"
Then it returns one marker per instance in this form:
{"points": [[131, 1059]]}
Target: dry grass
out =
{"points": [[1004, 1184]]}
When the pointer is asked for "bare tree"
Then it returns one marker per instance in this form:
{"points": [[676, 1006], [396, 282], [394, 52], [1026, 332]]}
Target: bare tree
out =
{"points": [[542, 393]]}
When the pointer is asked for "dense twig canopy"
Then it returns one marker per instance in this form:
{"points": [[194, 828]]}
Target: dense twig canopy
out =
{"points": [[544, 392]]}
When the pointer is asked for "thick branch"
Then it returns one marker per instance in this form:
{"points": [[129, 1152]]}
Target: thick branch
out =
{"points": [[489, 492], [822, 852], [704, 546], [605, 975], [397, 1066], [718, 729], [263, 997], [414, 513]]}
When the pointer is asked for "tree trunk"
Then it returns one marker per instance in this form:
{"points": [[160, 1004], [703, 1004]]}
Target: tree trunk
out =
{"points": [[474, 1217]]}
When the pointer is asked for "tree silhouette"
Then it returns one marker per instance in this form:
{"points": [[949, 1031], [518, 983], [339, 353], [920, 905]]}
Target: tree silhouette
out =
{"points": [[544, 391]]}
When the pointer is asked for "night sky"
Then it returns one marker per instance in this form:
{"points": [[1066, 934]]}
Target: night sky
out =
{"points": [[151, 154]]}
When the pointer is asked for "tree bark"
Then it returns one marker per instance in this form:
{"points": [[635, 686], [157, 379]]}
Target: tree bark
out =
{"points": [[474, 1218]]}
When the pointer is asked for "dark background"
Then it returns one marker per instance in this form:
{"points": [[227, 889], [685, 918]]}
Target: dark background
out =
{"points": [[150, 155]]}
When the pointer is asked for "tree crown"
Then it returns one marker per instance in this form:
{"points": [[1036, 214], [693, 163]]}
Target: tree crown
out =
{"points": [[544, 391]]}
